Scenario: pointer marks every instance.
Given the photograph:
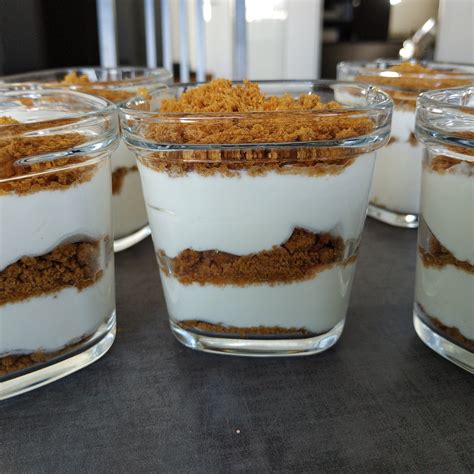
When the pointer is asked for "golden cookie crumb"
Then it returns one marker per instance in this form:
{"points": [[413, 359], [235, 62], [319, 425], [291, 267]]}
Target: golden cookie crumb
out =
{"points": [[264, 120], [414, 79], [300, 258]]}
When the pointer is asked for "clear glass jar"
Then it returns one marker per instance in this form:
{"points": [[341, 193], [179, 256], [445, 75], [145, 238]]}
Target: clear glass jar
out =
{"points": [[257, 240], [57, 301], [395, 191], [115, 84], [444, 293]]}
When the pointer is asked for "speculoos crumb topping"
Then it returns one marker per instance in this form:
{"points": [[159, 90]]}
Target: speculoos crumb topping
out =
{"points": [[273, 119], [17, 143], [94, 87], [414, 78]]}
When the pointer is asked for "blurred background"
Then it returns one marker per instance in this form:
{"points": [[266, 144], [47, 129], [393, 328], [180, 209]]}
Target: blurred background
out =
{"points": [[255, 39]]}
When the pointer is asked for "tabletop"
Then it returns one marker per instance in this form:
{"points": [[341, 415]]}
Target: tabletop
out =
{"points": [[378, 401]]}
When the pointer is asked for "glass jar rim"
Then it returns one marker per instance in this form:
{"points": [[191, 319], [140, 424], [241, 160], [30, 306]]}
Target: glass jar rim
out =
{"points": [[378, 107], [379, 67], [29, 91], [408, 83], [102, 113], [442, 115], [440, 97], [149, 76]]}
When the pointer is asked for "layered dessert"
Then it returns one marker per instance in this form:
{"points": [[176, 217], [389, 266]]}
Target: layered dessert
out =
{"points": [[395, 191], [116, 85], [56, 258], [445, 267], [443, 313], [254, 241]]}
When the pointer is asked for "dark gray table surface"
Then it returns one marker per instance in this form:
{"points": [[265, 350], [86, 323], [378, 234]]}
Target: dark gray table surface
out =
{"points": [[379, 401]]}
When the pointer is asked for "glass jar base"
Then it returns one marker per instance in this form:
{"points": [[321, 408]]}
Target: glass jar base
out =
{"points": [[257, 347], [408, 221], [128, 241], [444, 347], [67, 364]]}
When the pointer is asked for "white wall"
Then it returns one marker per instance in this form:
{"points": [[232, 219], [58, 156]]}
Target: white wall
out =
{"points": [[407, 16], [283, 37], [455, 37], [304, 38], [219, 35]]}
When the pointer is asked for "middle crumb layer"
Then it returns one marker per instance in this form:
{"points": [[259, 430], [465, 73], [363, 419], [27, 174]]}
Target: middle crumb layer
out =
{"points": [[299, 258], [68, 265]]}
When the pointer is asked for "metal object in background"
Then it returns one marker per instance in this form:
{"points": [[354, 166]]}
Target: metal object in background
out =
{"points": [[416, 46], [150, 33], [183, 41], [106, 22], [166, 35], [200, 42], [240, 41]]}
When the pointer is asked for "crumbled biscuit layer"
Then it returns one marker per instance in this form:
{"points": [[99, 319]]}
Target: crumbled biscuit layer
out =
{"points": [[94, 88], [254, 162], [16, 362], [419, 78], [276, 331], [118, 175], [220, 96], [6, 120], [452, 333], [68, 265], [411, 140], [300, 258], [34, 177], [438, 256], [414, 78], [259, 119], [443, 163]]}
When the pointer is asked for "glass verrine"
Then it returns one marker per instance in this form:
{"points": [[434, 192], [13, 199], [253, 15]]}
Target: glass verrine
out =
{"points": [[444, 293], [57, 301], [117, 85], [395, 191], [256, 216]]}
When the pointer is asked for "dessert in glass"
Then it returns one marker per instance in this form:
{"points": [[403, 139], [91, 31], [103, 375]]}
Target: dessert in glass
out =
{"points": [[395, 191], [57, 301], [444, 292], [256, 196], [117, 85]]}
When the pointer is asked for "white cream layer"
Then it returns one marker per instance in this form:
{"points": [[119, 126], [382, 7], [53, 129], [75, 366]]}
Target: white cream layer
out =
{"points": [[50, 322], [397, 174], [33, 224], [128, 207], [447, 294], [447, 204], [316, 305], [248, 214], [122, 157]]}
